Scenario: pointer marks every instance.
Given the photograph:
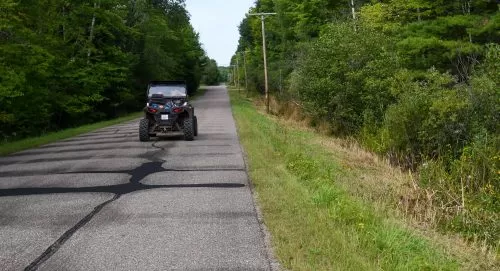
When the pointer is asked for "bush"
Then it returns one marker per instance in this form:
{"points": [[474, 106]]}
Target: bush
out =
{"points": [[468, 189], [449, 132], [441, 122], [342, 76]]}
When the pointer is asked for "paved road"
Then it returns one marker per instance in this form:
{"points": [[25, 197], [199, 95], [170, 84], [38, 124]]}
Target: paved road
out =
{"points": [[105, 201]]}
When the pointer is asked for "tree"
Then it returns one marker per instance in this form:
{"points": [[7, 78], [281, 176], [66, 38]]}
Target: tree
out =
{"points": [[413, 80], [211, 75], [67, 63]]}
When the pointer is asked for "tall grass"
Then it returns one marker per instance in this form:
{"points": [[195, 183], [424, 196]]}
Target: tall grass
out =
{"points": [[460, 196], [316, 223]]}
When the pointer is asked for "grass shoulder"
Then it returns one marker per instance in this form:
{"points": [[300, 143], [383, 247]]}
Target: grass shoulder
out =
{"points": [[9, 147], [316, 221]]}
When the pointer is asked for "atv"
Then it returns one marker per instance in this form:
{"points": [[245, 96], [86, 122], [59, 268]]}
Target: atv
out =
{"points": [[168, 112]]}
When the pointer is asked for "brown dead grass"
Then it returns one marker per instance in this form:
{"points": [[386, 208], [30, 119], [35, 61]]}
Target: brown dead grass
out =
{"points": [[390, 189]]}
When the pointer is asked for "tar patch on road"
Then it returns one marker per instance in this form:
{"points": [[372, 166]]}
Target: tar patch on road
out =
{"points": [[136, 176]]}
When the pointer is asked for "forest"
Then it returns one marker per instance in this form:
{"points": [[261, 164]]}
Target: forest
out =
{"points": [[415, 81], [68, 63]]}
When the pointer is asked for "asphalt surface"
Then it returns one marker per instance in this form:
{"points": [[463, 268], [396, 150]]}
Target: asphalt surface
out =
{"points": [[105, 201]]}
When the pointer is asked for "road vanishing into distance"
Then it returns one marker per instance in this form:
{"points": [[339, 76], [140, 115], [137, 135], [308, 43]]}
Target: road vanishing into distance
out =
{"points": [[105, 201]]}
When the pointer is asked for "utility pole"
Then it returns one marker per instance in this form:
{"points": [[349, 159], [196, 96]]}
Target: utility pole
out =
{"points": [[262, 18], [233, 75], [245, 68], [238, 70]]}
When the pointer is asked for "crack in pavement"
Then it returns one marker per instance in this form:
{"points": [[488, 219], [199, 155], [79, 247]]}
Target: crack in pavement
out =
{"points": [[134, 185], [52, 249]]}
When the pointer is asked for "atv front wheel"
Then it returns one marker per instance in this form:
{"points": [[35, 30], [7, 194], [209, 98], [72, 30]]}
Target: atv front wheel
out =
{"points": [[188, 129], [195, 123], [144, 130]]}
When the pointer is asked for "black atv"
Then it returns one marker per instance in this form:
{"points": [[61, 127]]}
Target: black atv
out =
{"points": [[168, 112]]}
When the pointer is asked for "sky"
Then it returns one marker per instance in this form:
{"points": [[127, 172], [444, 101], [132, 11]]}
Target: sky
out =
{"points": [[217, 23]]}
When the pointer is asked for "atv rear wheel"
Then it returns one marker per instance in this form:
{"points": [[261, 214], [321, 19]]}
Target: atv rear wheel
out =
{"points": [[188, 129], [195, 123], [144, 130]]}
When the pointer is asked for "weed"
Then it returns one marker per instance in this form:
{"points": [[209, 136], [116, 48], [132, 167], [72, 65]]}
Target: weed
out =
{"points": [[315, 222]]}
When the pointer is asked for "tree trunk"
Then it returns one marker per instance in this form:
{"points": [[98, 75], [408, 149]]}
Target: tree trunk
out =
{"points": [[64, 23], [353, 10], [92, 25]]}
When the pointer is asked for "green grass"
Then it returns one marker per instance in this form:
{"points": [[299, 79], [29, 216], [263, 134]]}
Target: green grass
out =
{"points": [[315, 224], [9, 147], [33, 142]]}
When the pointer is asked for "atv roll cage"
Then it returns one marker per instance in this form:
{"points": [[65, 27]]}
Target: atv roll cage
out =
{"points": [[175, 89]]}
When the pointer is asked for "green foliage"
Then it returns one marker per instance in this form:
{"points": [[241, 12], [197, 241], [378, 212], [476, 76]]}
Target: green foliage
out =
{"points": [[309, 212], [63, 64], [469, 185], [211, 73], [344, 83], [429, 118], [415, 80], [223, 74]]}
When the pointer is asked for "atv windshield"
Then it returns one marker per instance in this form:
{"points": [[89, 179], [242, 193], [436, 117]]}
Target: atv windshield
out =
{"points": [[167, 91]]}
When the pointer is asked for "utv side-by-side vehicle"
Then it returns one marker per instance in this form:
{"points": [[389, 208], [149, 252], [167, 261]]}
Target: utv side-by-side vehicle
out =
{"points": [[168, 112]]}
